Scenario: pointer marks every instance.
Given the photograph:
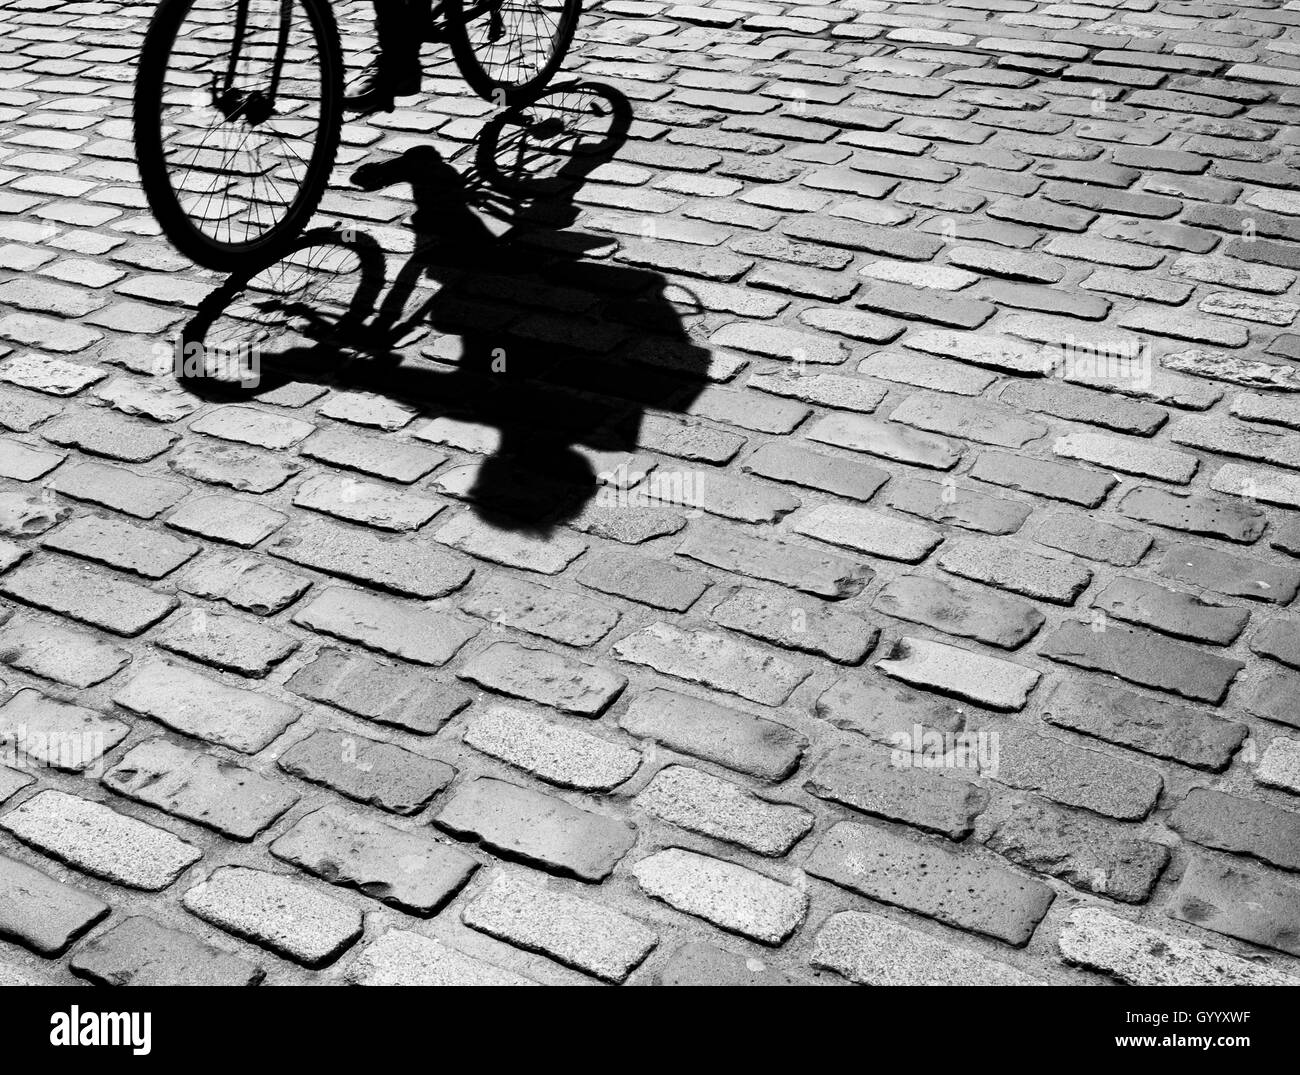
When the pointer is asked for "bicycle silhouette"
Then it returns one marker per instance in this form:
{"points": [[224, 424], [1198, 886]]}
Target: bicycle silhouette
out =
{"points": [[526, 334], [238, 107]]}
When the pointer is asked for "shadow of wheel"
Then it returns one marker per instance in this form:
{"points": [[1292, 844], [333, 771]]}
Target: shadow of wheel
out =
{"points": [[297, 315]]}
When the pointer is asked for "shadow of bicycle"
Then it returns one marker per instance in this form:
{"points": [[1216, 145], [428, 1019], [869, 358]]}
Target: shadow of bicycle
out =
{"points": [[527, 340]]}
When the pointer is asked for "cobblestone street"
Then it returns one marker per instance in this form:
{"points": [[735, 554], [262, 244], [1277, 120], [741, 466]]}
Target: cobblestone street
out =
{"points": [[848, 533]]}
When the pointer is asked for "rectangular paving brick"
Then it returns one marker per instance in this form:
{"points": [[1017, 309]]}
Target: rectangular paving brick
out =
{"points": [[253, 425], [400, 957], [804, 568], [560, 754], [576, 932], [712, 659], [396, 695], [728, 737], [883, 710], [41, 913], [100, 841], [198, 787], [57, 734], [290, 917], [888, 440], [1076, 847], [544, 677], [706, 804], [398, 628], [1141, 722], [403, 565], [842, 476], [1144, 658], [407, 870], [868, 780], [1127, 456], [1075, 776], [227, 641], [470, 535], [537, 829], [1237, 903], [559, 615], [968, 419], [960, 505], [1016, 569], [367, 770], [140, 951], [1172, 612], [964, 611], [962, 673], [245, 582], [872, 950], [204, 707], [1227, 573], [957, 888], [231, 519], [87, 596], [1211, 516], [871, 532], [370, 503], [1244, 826], [396, 460], [792, 623], [734, 897], [1137, 955], [642, 578]]}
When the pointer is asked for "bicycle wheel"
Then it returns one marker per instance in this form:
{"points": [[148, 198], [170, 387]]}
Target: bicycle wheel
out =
{"points": [[237, 118], [508, 50], [549, 145]]}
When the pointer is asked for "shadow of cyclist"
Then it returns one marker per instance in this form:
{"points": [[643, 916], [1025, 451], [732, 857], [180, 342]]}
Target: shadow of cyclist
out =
{"points": [[521, 335]]}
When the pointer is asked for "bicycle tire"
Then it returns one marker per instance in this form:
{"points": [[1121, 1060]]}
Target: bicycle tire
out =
{"points": [[474, 65], [509, 122], [147, 121]]}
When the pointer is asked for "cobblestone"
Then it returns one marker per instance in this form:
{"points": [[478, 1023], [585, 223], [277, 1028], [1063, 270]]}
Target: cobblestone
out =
{"points": [[925, 876], [544, 677], [400, 957], [236, 802], [554, 752], [1237, 904], [203, 707], [139, 951], [284, 915], [1140, 956], [42, 913], [1231, 823], [100, 841], [55, 653], [972, 330], [871, 950], [407, 870], [714, 660], [731, 896], [1079, 849], [54, 733], [401, 629], [537, 829], [715, 733], [576, 932]]}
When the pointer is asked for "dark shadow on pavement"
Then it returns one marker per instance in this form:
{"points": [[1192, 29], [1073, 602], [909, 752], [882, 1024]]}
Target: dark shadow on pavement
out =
{"points": [[502, 316]]}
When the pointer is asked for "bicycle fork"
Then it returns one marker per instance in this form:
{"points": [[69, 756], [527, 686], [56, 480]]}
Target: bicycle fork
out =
{"points": [[253, 106]]}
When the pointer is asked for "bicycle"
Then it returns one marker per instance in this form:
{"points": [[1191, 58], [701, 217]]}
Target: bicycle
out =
{"points": [[238, 107]]}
